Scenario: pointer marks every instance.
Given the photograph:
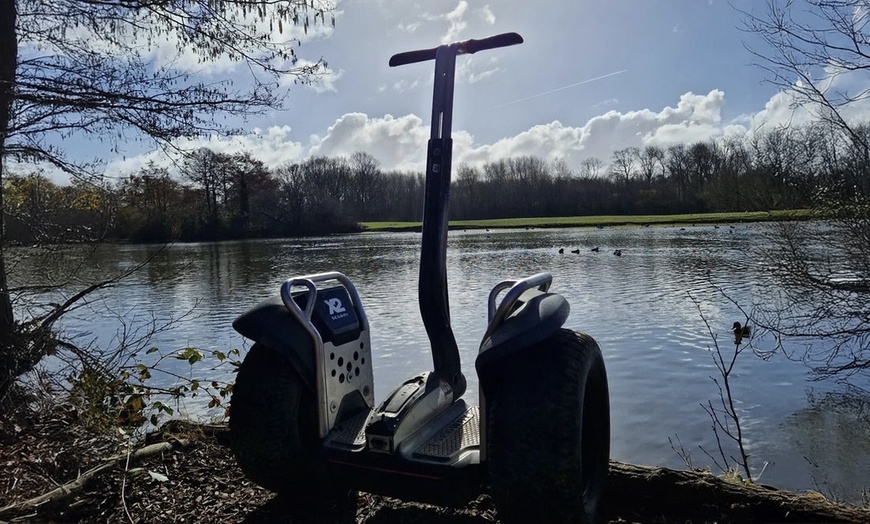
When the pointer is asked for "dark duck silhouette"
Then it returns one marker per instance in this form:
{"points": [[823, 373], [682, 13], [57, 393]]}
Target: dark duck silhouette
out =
{"points": [[595, 249], [740, 331], [575, 251]]}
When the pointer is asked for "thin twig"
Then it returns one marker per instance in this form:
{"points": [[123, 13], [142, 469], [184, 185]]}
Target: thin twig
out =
{"points": [[124, 482]]}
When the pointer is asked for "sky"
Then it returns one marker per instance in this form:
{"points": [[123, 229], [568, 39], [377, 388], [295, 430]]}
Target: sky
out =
{"points": [[591, 77]]}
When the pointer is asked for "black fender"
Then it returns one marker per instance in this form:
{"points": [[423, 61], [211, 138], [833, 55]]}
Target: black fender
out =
{"points": [[270, 324], [537, 320]]}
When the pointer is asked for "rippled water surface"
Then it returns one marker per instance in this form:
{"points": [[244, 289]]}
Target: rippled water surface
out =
{"points": [[637, 307]]}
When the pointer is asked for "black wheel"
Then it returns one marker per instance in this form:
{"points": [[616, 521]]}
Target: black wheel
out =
{"points": [[273, 432], [548, 432]]}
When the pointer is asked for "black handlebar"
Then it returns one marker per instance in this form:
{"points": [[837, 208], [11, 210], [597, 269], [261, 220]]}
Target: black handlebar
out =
{"points": [[503, 40], [468, 47]]}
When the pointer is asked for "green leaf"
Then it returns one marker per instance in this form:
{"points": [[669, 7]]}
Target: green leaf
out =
{"points": [[220, 356], [194, 385], [135, 402], [192, 355], [151, 350]]}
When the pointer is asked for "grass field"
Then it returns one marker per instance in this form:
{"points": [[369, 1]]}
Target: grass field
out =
{"points": [[607, 220]]}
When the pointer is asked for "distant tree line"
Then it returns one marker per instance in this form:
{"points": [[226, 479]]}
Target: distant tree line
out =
{"points": [[223, 196]]}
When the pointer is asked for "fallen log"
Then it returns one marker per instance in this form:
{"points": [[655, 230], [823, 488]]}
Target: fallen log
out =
{"points": [[641, 493], [64, 492]]}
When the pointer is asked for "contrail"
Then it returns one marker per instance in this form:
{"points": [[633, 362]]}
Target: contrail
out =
{"points": [[561, 88]]}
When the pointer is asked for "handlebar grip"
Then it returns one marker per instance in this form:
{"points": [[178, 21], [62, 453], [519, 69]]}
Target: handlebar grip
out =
{"points": [[468, 47], [410, 57], [503, 40]]}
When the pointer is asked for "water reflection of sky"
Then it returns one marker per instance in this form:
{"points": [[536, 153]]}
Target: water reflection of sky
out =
{"points": [[636, 306]]}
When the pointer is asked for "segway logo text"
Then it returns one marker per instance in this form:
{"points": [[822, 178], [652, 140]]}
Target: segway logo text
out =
{"points": [[335, 306]]}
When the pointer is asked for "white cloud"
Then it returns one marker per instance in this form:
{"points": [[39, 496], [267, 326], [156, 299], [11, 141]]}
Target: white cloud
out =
{"points": [[605, 103], [409, 28], [455, 22], [473, 70], [486, 14], [272, 146], [398, 143], [785, 108], [406, 85], [326, 81]]}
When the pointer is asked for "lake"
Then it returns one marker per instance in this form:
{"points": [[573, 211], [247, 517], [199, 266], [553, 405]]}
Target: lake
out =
{"points": [[637, 306]]}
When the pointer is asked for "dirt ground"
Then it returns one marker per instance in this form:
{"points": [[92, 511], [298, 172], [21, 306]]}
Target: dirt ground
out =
{"points": [[190, 475], [195, 480]]}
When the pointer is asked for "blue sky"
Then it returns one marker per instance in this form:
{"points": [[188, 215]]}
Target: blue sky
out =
{"points": [[678, 72]]}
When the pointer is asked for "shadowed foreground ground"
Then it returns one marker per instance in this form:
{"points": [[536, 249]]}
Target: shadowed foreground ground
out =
{"points": [[186, 473]]}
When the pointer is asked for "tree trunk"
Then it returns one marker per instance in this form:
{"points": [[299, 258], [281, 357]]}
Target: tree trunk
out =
{"points": [[8, 64]]}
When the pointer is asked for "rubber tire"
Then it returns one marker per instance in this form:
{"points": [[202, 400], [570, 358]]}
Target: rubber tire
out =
{"points": [[548, 432], [273, 434]]}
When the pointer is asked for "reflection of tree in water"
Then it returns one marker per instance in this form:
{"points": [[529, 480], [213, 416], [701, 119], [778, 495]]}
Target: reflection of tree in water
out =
{"points": [[833, 435]]}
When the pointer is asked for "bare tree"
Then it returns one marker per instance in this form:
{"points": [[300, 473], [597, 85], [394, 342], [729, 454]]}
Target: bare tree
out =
{"points": [[677, 169], [807, 46], [367, 183], [592, 167], [467, 198], [816, 49], [652, 159], [114, 69], [622, 165]]}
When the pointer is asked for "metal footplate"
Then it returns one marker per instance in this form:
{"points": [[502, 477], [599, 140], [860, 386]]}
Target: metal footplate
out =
{"points": [[444, 441], [350, 434], [461, 435]]}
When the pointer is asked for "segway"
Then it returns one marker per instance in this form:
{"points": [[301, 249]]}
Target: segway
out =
{"points": [[303, 418]]}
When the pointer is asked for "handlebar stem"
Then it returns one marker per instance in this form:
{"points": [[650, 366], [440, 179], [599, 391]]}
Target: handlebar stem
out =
{"points": [[432, 284]]}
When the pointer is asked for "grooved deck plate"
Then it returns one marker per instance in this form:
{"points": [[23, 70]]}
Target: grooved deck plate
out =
{"points": [[460, 434], [353, 431]]}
